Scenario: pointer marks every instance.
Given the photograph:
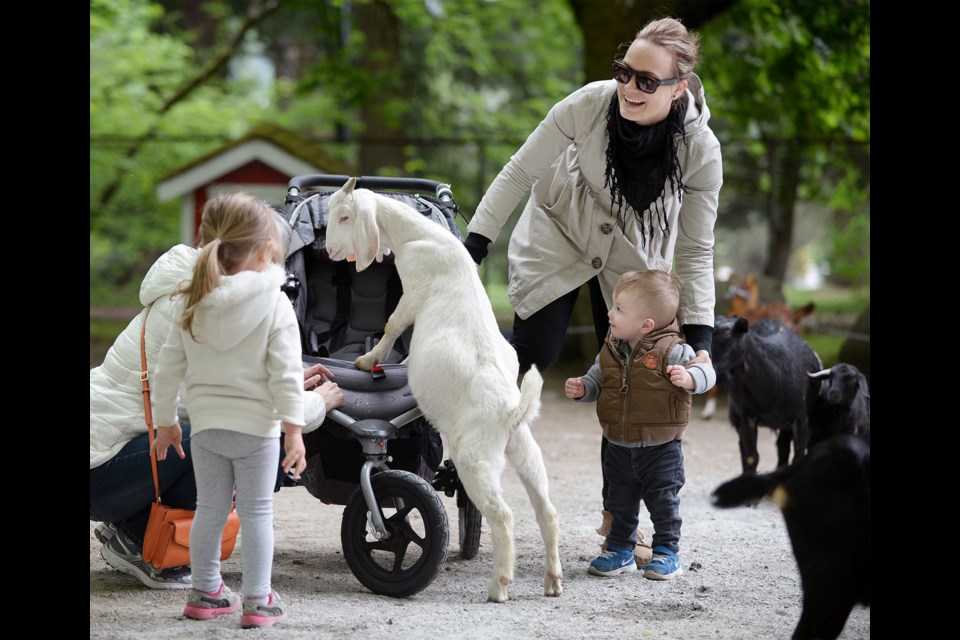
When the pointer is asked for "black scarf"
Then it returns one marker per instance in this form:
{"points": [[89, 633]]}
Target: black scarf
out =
{"points": [[639, 161]]}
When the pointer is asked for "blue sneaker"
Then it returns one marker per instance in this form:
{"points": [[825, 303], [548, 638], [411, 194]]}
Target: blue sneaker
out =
{"points": [[665, 565], [613, 562]]}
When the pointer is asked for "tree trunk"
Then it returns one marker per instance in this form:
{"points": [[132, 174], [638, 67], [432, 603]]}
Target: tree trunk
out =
{"points": [[604, 27], [382, 136], [607, 24], [788, 160]]}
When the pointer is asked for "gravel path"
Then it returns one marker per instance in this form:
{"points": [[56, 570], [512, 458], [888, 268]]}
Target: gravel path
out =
{"points": [[739, 581]]}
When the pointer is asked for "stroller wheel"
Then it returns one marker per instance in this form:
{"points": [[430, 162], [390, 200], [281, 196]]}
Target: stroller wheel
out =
{"points": [[412, 554], [469, 525], [470, 519]]}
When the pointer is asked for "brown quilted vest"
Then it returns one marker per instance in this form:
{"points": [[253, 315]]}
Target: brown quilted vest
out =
{"points": [[637, 401]]}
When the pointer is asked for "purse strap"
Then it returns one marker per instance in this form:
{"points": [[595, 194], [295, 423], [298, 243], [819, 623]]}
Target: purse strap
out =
{"points": [[147, 411]]}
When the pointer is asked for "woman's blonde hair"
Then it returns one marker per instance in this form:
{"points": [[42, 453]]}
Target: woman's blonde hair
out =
{"points": [[670, 33], [233, 227]]}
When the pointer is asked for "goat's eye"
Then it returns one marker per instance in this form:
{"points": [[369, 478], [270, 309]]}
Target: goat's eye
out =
{"points": [[343, 218]]}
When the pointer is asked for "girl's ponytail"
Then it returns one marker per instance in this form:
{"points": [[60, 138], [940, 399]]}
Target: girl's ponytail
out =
{"points": [[206, 274]]}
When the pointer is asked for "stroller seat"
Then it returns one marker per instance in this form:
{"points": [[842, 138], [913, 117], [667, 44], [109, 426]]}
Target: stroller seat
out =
{"points": [[385, 396], [344, 311]]}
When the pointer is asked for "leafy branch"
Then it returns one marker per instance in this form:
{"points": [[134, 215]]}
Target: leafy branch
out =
{"points": [[257, 13]]}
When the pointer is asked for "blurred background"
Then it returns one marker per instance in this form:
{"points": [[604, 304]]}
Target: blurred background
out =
{"points": [[189, 98]]}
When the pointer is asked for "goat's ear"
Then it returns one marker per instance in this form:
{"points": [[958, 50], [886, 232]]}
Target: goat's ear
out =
{"points": [[349, 185], [864, 387], [741, 324], [366, 233]]}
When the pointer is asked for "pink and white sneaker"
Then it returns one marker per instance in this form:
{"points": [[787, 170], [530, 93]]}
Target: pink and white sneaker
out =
{"points": [[257, 614], [204, 606]]}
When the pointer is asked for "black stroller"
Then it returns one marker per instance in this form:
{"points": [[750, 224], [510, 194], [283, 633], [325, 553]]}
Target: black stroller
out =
{"points": [[395, 531]]}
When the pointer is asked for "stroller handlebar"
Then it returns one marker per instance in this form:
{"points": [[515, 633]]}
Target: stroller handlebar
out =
{"points": [[299, 183]]}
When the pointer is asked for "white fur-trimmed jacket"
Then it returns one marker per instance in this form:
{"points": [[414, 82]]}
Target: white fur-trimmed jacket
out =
{"points": [[567, 234], [116, 398]]}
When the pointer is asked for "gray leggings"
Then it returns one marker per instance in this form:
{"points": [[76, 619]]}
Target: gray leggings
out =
{"points": [[220, 458]]}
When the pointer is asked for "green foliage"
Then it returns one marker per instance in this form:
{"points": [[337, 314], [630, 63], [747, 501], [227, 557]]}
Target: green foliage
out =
{"points": [[134, 71], [791, 79], [793, 68], [850, 245], [471, 84], [497, 292], [105, 331], [471, 80], [830, 300], [479, 70], [826, 345]]}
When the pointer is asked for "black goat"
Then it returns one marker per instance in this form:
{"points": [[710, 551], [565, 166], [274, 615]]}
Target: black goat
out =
{"points": [[766, 366], [825, 501], [839, 403]]}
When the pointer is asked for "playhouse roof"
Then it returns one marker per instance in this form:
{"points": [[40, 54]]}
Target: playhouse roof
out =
{"points": [[279, 148]]}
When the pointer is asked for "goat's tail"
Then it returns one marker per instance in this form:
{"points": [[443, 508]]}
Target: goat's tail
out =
{"points": [[749, 488], [530, 388]]}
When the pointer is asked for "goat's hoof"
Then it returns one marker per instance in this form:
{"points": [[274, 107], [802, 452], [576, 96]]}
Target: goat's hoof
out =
{"points": [[365, 362], [498, 597], [553, 586], [498, 590]]}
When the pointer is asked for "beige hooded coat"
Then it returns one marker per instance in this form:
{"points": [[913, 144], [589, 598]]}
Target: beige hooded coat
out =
{"points": [[567, 233]]}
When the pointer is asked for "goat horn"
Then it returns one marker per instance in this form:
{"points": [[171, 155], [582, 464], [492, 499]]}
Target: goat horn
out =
{"points": [[820, 374]]}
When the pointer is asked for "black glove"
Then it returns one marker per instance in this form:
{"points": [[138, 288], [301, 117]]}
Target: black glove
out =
{"points": [[477, 246], [699, 337]]}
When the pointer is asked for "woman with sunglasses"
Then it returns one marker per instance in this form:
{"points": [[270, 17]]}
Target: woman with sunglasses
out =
{"points": [[622, 174]]}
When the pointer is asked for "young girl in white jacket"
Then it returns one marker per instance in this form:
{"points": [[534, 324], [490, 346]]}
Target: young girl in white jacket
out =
{"points": [[237, 348], [121, 484]]}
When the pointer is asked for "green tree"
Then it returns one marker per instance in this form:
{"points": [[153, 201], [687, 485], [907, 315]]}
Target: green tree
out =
{"points": [[439, 90], [449, 90], [789, 85], [145, 93], [446, 91]]}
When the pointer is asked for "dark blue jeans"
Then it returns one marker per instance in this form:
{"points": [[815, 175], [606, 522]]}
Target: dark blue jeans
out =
{"points": [[539, 339], [653, 475], [121, 489]]}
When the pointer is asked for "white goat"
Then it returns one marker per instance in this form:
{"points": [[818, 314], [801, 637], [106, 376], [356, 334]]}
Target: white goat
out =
{"points": [[461, 369]]}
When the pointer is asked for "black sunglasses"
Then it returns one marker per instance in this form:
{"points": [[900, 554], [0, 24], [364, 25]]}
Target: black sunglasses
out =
{"points": [[647, 84]]}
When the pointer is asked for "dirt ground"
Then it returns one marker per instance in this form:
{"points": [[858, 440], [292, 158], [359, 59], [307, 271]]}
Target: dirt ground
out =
{"points": [[739, 581]]}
